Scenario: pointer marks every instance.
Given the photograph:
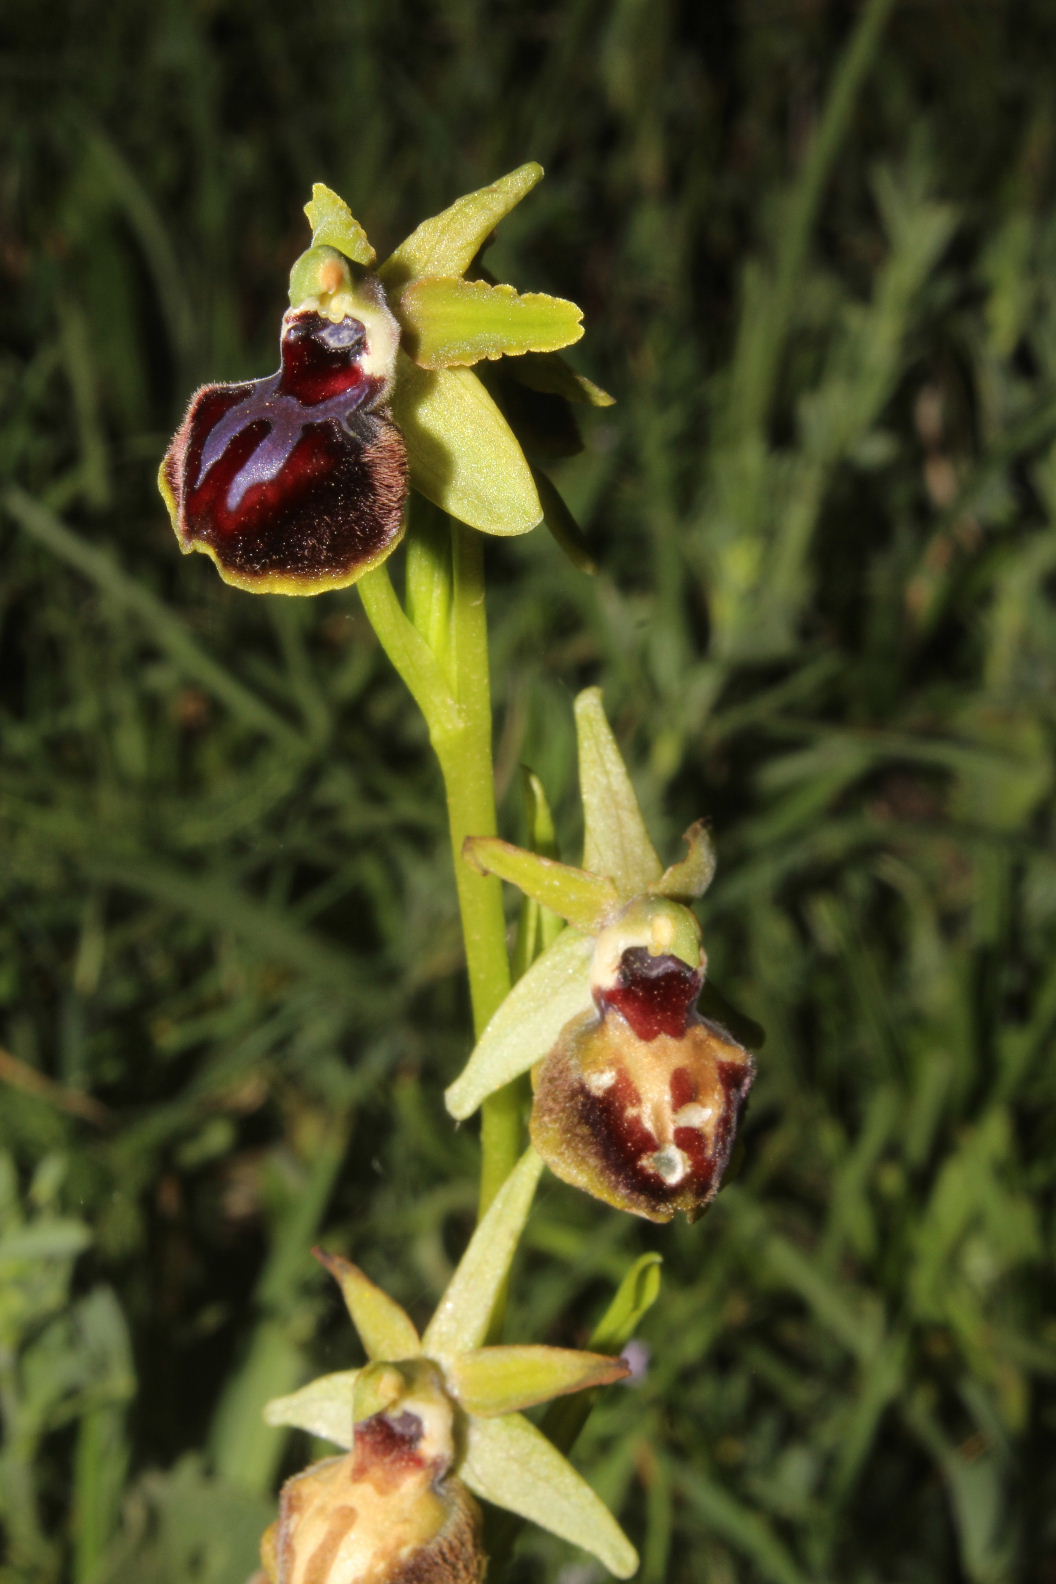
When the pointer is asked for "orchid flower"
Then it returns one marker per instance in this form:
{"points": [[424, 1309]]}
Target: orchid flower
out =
{"points": [[456, 1403], [637, 1095], [297, 482]]}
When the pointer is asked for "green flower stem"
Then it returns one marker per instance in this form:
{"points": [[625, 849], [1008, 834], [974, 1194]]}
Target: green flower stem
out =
{"points": [[409, 653], [452, 689], [470, 782]]}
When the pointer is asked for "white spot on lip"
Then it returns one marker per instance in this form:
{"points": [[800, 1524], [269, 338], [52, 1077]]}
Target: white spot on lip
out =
{"points": [[693, 1115], [599, 1082], [669, 1164]]}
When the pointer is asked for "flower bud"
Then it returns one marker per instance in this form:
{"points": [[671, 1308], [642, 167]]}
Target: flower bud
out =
{"points": [[638, 1102], [389, 1511], [297, 483]]}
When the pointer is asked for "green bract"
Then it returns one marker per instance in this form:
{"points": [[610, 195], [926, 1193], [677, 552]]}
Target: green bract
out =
{"points": [[503, 1458]]}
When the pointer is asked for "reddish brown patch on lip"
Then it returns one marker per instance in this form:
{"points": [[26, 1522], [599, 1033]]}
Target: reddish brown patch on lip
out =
{"points": [[656, 995], [610, 1118], [387, 1447], [296, 482], [321, 359]]}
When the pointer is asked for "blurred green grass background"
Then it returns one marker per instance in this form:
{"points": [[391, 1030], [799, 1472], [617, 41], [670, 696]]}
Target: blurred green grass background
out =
{"points": [[817, 250]]}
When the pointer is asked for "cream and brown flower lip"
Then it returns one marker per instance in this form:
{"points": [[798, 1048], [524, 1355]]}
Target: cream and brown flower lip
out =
{"points": [[388, 1512], [646, 1125]]}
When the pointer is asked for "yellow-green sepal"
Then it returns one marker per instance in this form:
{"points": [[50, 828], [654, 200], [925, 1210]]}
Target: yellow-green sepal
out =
{"points": [[385, 1329], [325, 1408], [334, 225], [464, 1312], [447, 243], [555, 989], [564, 528], [552, 375], [499, 1380], [509, 1462], [455, 323], [585, 900], [464, 456], [615, 840]]}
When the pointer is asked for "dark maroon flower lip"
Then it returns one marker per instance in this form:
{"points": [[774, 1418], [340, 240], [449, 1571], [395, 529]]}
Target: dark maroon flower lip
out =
{"points": [[316, 384], [296, 482]]}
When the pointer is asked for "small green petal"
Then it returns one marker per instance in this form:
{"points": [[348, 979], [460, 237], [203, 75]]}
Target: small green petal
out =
{"points": [[385, 1330], [463, 1313], [500, 1380], [447, 243], [693, 874], [511, 1463], [455, 322], [334, 225], [552, 375], [463, 454], [555, 989], [585, 900], [615, 841], [324, 1408]]}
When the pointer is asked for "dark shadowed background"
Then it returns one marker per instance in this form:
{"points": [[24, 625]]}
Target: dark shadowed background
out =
{"points": [[816, 247]]}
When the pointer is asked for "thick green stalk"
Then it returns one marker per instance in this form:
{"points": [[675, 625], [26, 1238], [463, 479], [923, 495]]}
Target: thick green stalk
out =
{"points": [[469, 778], [450, 680]]}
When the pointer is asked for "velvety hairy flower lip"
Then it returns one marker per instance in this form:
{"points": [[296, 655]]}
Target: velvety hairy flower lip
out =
{"points": [[637, 1094], [297, 483], [458, 1402]]}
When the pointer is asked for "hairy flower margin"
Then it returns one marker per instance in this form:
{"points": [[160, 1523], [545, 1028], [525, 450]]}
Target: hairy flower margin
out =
{"points": [[637, 1095], [297, 483], [433, 1421]]}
